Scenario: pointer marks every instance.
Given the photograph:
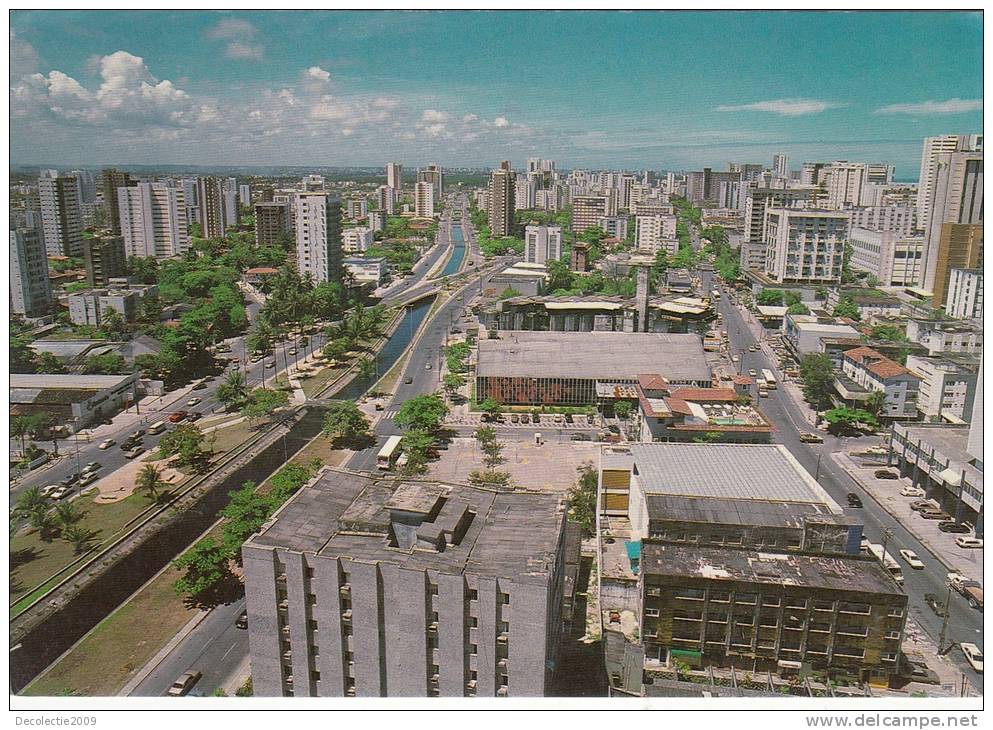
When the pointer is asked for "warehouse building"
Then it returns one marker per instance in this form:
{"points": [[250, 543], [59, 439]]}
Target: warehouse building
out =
{"points": [[568, 368], [72, 399]]}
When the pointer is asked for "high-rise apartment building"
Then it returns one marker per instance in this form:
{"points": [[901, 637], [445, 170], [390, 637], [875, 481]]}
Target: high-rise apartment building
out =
{"points": [[211, 202], [965, 294], [318, 234], [894, 258], [245, 195], [105, 259], [805, 246], [61, 222], [542, 244], [758, 199], [357, 208], [424, 199], [312, 183], [879, 173], [656, 232], [781, 165], [394, 175], [811, 173], [960, 246], [845, 183], [586, 211], [525, 194], [87, 185], [433, 174], [897, 218], [272, 224], [110, 181], [386, 198], [933, 147], [501, 211], [30, 287], [153, 220]]}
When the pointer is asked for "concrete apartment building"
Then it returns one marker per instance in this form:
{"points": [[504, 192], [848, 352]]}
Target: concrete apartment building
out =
{"points": [[965, 294], [273, 224], [318, 235], [61, 221], [501, 200], [212, 205], [30, 287], [781, 165], [653, 233], [948, 385], [433, 174], [934, 147], [153, 220], [865, 371], [844, 184], [357, 208], [110, 181], [756, 202], [394, 175], [386, 199], [742, 559], [377, 220], [369, 587], [895, 259], [899, 219], [805, 333], [804, 246], [946, 335], [424, 199], [91, 306], [542, 244], [587, 210], [615, 226], [357, 240], [367, 270], [105, 258], [525, 194], [960, 246]]}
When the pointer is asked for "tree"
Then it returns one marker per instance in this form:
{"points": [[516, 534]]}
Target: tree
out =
{"points": [[416, 445], [261, 402], [25, 424], [817, 373], [112, 323], [888, 333], [108, 364], [582, 498], [797, 308], [490, 408], [68, 514], [337, 348], [149, 480], [509, 293], [206, 570], [842, 421], [144, 269], [846, 307], [344, 420], [49, 363], [187, 444], [489, 479], [452, 382], [232, 391], [22, 357], [422, 413], [79, 537], [30, 501], [246, 512], [622, 409], [875, 402], [492, 449], [771, 298], [367, 368]]}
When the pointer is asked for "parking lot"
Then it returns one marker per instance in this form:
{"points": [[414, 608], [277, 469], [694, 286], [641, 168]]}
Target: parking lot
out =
{"points": [[886, 492]]}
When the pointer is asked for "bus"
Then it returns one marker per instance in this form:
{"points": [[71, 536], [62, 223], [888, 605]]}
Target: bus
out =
{"points": [[716, 295], [157, 427], [889, 564], [388, 455], [770, 379]]}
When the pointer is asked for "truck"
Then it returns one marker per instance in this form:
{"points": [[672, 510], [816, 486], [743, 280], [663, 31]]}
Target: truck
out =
{"points": [[887, 561], [971, 590]]}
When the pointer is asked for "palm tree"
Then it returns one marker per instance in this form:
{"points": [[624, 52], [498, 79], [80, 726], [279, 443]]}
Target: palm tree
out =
{"points": [[79, 536], [30, 501], [149, 480], [68, 514], [20, 427]]}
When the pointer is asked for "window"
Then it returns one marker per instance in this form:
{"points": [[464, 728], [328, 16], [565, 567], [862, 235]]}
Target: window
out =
{"points": [[473, 594], [505, 599], [745, 598], [473, 622], [433, 589], [892, 635], [895, 611], [720, 596], [315, 675], [473, 648], [504, 627], [308, 573]]}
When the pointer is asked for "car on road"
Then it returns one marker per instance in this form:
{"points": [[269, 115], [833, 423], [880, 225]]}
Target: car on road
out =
{"points": [[104, 445], [735, 358], [135, 452], [428, 366], [178, 416], [753, 348], [255, 358], [919, 504], [971, 590], [911, 559], [50, 490], [88, 479], [956, 528], [270, 363], [192, 402], [201, 384], [292, 351], [811, 438], [91, 466], [973, 655], [969, 542], [912, 492], [194, 417], [885, 474], [61, 493], [753, 372], [934, 514], [184, 684], [579, 437], [854, 500], [934, 603], [242, 621]]}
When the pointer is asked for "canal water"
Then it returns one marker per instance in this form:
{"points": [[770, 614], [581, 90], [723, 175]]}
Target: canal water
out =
{"points": [[455, 261]]}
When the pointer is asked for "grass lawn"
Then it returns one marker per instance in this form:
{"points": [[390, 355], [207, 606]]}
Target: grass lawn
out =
{"points": [[320, 448], [108, 656], [40, 560], [314, 384]]}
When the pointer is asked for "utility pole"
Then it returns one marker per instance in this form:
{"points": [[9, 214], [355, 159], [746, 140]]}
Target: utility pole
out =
{"points": [[887, 534], [817, 476], [944, 623]]}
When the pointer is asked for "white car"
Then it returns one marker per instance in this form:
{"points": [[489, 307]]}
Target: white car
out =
{"points": [[968, 542], [910, 557], [735, 358], [192, 402], [50, 489], [912, 492], [106, 444], [973, 655]]}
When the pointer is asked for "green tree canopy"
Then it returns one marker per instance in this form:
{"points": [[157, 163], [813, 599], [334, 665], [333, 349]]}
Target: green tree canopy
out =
{"points": [[422, 413], [817, 373], [344, 420]]}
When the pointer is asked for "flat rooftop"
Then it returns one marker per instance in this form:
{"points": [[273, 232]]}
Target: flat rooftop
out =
{"points": [[766, 472], [593, 355], [852, 574], [35, 381], [720, 511], [347, 514]]}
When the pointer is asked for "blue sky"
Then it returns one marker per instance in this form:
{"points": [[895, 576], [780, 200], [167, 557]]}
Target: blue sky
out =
{"points": [[632, 90]]}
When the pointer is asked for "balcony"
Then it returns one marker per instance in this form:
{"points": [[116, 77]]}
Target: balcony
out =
{"points": [[346, 616], [344, 590]]}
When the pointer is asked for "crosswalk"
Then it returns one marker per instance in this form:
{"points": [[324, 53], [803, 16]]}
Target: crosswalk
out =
{"points": [[390, 412]]}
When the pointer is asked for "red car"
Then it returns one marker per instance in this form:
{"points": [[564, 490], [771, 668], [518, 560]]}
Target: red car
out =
{"points": [[177, 416]]}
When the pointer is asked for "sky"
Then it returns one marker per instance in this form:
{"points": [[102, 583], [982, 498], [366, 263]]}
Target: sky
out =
{"points": [[623, 90]]}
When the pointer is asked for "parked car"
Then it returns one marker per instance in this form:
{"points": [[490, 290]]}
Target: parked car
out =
{"points": [[408, 380], [973, 655], [935, 514], [50, 490], [270, 363], [579, 437], [934, 603], [753, 372], [971, 590], [885, 474], [854, 500], [920, 504], [178, 416], [135, 452], [811, 438], [292, 351], [194, 417], [910, 557], [912, 492], [525, 418], [953, 527], [192, 402], [184, 684], [104, 445], [514, 418], [91, 466], [242, 621], [969, 542], [735, 358], [61, 493]]}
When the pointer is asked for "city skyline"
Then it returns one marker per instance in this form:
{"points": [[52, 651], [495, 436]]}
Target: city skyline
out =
{"points": [[316, 88]]}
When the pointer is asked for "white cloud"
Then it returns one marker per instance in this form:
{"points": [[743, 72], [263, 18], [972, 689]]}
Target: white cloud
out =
{"points": [[784, 107], [469, 118], [316, 72], [501, 122], [23, 57], [239, 34], [237, 49], [950, 106], [433, 116]]}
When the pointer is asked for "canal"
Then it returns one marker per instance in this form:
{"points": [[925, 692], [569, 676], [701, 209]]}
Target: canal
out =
{"points": [[455, 260]]}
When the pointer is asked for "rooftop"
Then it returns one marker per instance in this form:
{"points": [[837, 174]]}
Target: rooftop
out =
{"points": [[766, 472], [851, 574], [609, 356], [54, 382], [731, 511]]}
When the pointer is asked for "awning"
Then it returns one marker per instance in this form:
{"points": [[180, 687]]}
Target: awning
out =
{"points": [[951, 477]]}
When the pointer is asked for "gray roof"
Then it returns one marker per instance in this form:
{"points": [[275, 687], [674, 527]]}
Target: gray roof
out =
{"points": [[593, 355], [736, 471], [720, 511]]}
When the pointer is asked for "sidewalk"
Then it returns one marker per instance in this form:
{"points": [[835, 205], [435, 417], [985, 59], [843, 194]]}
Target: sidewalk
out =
{"points": [[886, 492]]}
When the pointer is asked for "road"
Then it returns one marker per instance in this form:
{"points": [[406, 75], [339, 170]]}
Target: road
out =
{"points": [[965, 623]]}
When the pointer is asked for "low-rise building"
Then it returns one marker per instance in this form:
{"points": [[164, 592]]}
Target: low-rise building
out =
{"points": [[965, 294], [871, 303], [76, 400], [542, 244], [865, 371], [946, 335], [894, 259], [365, 270], [948, 385], [91, 306], [357, 240], [803, 333]]}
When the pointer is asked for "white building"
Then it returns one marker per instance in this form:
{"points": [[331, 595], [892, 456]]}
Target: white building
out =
{"points": [[424, 199], [312, 183], [781, 165], [91, 306], [230, 208], [894, 259], [153, 220], [616, 226], [318, 235], [245, 195], [525, 193], [357, 240], [946, 336], [357, 208], [965, 294], [377, 220], [948, 386], [363, 270], [933, 147], [394, 174], [897, 218], [844, 187], [652, 232], [542, 244], [61, 220], [804, 246], [873, 372], [30, 287], [387, 199]]}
